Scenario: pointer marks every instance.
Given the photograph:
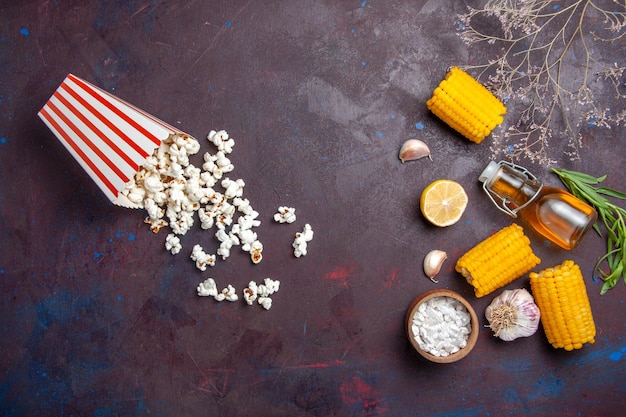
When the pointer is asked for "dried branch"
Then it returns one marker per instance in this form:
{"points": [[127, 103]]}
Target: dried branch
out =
{"points": [[547, 70]]}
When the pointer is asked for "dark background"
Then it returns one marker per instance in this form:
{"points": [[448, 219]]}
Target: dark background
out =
{"points": [[98, 319]]}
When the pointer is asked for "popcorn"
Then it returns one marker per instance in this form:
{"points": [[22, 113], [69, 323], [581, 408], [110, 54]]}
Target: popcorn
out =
{"points": [[221, 141], [209, 163], [223, 220], [178, 154], [227, 241], [248, 221], [201, 258], [301, 239], [208, 288], [285, 215], [233, 188], [190, 144], [250, 293], [207, 179], [183, 223], [243, 206], [172, 244], [207, 218], [261, 293], [152, 184], [155, 224], [172, 190], [266, 302], [268, 287], [153, 210], [256, 249], [246, 236], [228, 294], [223, 164], [136, 194]]}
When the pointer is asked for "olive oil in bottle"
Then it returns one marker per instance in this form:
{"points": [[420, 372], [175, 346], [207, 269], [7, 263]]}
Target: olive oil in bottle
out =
{"points": [[553, 212]]}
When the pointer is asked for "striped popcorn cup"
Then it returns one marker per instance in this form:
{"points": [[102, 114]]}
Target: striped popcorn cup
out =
{"points": [[109, 138]]}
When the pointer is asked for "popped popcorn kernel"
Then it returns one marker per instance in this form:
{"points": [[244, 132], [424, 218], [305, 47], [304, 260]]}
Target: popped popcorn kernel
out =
{"points": [[301, 240], [172, 244], [261, 293], [222, 141], [285, 215], [266, 302], [229, 294], [250, 293], [256, 252], [201, 258], [208, 288]]}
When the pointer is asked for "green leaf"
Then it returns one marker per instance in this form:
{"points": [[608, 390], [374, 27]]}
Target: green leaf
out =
{"points": [[611, 280], [611, 192], [612, 216], [579, 176]]}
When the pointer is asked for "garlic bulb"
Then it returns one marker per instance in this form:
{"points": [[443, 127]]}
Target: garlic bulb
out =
{"points": [[513, 314]]}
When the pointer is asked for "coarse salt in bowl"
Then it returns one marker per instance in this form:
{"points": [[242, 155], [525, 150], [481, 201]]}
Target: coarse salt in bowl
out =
{"points": [[442, 326]]}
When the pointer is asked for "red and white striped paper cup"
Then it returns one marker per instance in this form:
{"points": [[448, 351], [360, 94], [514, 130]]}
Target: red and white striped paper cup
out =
{"points": [[109, 137]]}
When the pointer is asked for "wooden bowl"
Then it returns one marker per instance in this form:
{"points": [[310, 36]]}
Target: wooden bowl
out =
{"points": [[473, 336]]}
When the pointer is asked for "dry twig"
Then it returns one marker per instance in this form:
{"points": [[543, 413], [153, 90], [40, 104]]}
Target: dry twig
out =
{"points": [[548, 70]]}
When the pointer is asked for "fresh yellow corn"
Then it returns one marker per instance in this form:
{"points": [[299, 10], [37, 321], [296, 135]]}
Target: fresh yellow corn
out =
{"points": [[466, 105], [561, 296], [498, 260]]}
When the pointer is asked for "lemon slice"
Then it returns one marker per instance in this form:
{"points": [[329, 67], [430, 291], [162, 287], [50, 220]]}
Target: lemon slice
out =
{"points": [[443, 202]]}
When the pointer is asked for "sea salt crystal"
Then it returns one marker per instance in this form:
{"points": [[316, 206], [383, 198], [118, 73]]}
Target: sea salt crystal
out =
{"points": [[441, 326]]}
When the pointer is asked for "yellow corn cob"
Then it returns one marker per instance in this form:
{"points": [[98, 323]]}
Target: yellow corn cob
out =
{"points": [[498, 260], [561, 296], [466, 105]]}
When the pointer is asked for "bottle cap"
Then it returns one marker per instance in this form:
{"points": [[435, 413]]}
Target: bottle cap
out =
{"points": [[488, 172]]}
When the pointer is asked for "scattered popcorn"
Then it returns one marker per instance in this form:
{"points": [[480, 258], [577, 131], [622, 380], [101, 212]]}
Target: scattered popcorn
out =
{"points": [[266, 302], [261, 293], [201, 258], [172, 190], [221, 140], [250, 293], [172, 244], [233, 188], [246, 236], [208, 288], [244, 207], [218, 164], [155, 224], [228, 294], [207, 218], [256, 249], [182, 223], [268, 287], [285, 215], [247, 222], [227, 241], [301, 239]]}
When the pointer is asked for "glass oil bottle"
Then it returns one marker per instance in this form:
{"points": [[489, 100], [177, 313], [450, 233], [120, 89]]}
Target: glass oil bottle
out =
{"points": [[553, 212]]}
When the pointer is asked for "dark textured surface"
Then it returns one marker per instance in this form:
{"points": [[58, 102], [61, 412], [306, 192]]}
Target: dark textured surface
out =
{"points": [[97, 319]]}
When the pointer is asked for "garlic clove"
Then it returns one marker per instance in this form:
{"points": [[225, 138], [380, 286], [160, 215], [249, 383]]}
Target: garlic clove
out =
{"points": [[414, 149], [432, 263]]}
